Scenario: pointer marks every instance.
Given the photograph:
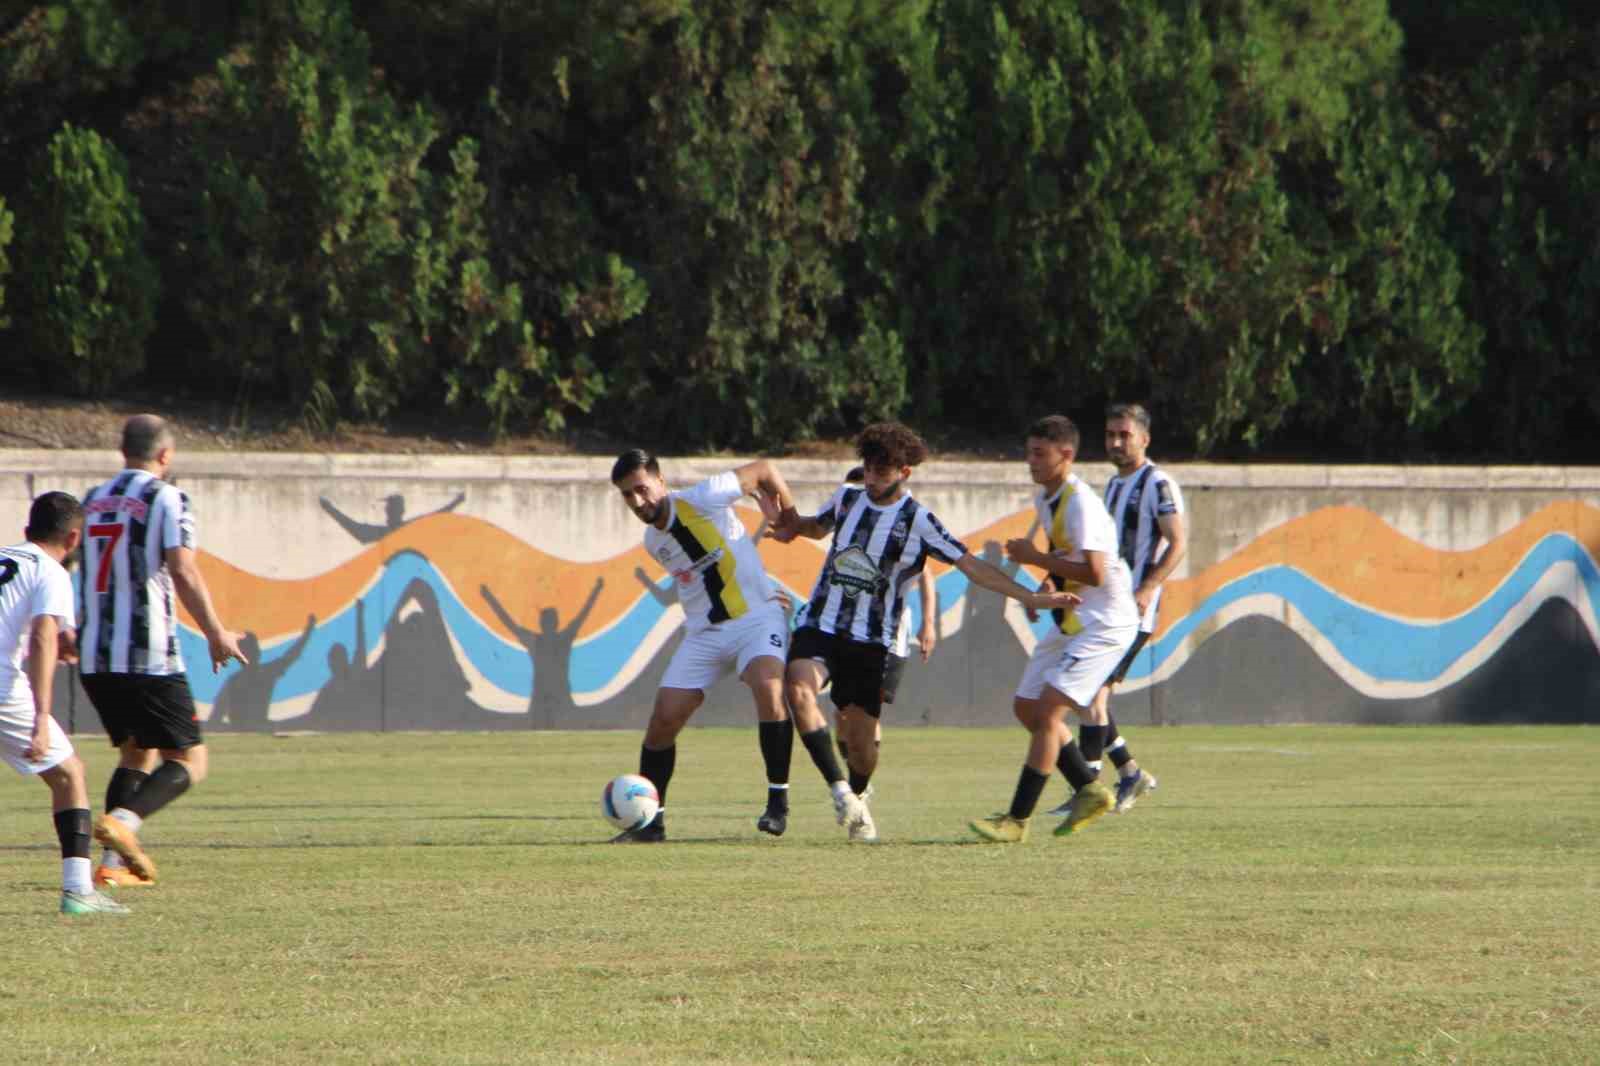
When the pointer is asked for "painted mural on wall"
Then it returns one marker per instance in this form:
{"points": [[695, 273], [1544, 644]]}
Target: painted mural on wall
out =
{"points": [[445, 621]]}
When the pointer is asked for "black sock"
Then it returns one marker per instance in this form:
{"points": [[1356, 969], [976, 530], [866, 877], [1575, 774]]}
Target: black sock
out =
{"points": [[657, 766], [1026, 798], [1092, 738], [820, 746], [170, 781], [124, 783], [1072, 763], [859, 782], [1116, 747], [777, 749], [72, 829]]}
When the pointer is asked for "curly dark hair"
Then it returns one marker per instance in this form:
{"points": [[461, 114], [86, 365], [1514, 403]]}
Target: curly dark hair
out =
{"points": [[890, 444]]}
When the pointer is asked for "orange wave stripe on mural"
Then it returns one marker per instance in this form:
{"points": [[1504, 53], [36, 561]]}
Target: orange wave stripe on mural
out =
{"points": [[1415, 581], [470, 554], [1353, 552]]}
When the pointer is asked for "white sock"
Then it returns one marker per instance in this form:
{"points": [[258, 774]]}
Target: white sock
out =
{"points": [[127, 818], [839, 788], [111, 860], [75, 875]]}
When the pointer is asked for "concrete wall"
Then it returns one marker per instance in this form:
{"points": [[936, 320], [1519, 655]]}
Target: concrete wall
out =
{"points": [[1311, 593]]}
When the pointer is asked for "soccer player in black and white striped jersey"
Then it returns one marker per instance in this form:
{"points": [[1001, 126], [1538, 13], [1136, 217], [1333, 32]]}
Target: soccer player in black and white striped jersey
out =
{"points": [[1146, 507], [138, 549], [882, 539]]}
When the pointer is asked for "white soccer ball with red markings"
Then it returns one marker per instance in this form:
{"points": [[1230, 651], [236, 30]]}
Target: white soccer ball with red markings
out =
{"points": [[629, 801]]}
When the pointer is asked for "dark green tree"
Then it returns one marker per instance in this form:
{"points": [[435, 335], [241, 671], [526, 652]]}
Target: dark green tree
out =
{"points": [[86, 292]]}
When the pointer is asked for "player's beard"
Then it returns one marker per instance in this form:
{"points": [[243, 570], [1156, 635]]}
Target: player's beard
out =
{"points": [[880, 497], [655, 513]]}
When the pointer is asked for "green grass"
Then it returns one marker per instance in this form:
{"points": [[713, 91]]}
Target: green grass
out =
{"points": [[1288, 895]]}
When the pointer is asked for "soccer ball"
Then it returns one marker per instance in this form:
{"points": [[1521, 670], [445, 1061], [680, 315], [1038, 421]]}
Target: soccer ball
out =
{"points": [[629, 801]]}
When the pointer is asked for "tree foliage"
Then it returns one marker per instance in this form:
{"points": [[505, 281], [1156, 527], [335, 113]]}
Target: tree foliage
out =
{"points": [[735, 224], [87, 291]]}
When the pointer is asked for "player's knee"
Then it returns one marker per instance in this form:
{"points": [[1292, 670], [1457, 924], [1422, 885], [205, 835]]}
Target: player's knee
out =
{"points": [[195, 760]]}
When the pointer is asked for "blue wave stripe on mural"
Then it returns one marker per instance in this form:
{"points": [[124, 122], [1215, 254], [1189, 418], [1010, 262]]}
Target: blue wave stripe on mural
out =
{"points": [[1385, 649]]}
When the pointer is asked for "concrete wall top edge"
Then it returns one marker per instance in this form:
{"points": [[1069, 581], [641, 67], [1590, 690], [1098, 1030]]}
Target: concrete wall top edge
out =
{"points": [[74, 465]]}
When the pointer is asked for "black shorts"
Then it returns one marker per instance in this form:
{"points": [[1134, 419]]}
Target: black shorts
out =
{"points": [[1127, 660], [155, 710], [893, 669], [855, 668]]}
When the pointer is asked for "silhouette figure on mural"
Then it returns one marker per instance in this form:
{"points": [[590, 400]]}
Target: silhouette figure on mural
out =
{"points": [[352, 698], [246, 696], [550, 649], [394, 510], [424, 686]]}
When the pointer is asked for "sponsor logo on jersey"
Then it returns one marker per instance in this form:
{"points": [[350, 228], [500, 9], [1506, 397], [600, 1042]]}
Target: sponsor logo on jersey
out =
{"points": [[855, 573], [698, 567]]}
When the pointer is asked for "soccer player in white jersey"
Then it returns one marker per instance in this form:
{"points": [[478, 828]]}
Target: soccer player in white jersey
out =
{"points": [[36, 620], [1147, 511], [138, 548], [882, 539], [1073, 661], [733, 619]]}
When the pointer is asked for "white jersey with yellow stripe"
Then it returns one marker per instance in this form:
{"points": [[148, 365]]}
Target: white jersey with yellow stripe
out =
{"points": [[1076, 521], [714, 563]]}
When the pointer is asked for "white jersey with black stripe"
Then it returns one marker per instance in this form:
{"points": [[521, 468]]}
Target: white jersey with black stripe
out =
{"points": [[31, 584], [1137, 503], [873, 563], [130, 615]]}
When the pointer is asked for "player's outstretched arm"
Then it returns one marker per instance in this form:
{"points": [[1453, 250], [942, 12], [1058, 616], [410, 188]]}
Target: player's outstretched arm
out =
{"points": [[990, 577], [196, 599]]}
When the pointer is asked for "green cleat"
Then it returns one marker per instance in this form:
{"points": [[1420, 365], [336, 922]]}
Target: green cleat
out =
{"points": [[1001, 829], [1090, 802], [90, 902]]}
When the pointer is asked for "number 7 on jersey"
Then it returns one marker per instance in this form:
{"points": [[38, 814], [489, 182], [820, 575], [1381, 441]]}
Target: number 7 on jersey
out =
{"points": [[107, 534]]}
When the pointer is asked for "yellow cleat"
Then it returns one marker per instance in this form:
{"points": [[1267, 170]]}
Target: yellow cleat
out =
{"points": [[1001, 829], [1090, 802], [119, 877], [125, 842]]}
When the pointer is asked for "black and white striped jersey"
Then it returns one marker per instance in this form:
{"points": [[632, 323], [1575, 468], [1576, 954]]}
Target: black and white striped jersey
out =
{"points": [[1137, 503], [873, 563], [129, 614]]}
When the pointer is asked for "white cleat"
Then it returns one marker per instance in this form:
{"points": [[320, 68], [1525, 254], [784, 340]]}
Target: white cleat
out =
{"points": [[849, 811], [866, 831]]}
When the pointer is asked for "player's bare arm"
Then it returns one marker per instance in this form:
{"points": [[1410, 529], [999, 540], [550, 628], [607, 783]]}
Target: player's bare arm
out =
{"points": [[43, 635], [1176, 535], [196, 599], [928, 635], [992, 578], [763, 480]]}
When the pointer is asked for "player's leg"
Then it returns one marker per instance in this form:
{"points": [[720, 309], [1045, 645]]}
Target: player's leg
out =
{"points": [[1078, 677], [1132, 780], [69, 810], [806, 673], [762, 650], [134, 767], [764, 675], [1040, 710], [160, 716]]}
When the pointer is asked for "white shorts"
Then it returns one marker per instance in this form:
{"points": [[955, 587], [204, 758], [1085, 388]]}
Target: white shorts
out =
{"points": [[16, 729], [1075, 666], [704, 658]]}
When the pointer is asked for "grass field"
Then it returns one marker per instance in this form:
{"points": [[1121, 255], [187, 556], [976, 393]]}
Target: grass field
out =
{"points": [[1289, 895]]}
